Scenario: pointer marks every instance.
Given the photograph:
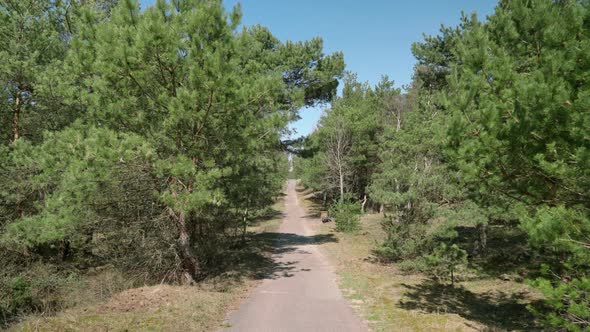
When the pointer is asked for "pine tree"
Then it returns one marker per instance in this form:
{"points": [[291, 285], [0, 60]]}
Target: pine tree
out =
{"points": [[518, 99], [210, 103], [30, 36], [341, 155]]}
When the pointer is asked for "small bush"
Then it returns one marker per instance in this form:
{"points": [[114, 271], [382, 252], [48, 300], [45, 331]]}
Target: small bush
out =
{"points": [[40, 288], [20, 292], [413, 240], [346, 215], [405, 241], [413, 265], [445, 261], [44, 288]]}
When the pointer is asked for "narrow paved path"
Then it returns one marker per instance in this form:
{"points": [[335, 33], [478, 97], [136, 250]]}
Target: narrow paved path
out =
{"points": [[301, 294]]}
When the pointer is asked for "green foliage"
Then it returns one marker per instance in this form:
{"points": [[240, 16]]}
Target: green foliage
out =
{"points": [[423, 198], [313, 172], [570, 303], [445, 260], [409, 241], [411, 180], [519, 130], [32, 290], [404, 241], [34, 40], [346, 215], [143, 139], [20, 292], [494, 131], [71, 168], [565, 231], [341, 155]]}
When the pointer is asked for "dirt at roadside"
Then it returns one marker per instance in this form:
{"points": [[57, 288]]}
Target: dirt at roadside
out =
{"points": [[144, 298]]}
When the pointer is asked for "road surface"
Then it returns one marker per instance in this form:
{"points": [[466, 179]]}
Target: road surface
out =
{"points": [[301, 294]]}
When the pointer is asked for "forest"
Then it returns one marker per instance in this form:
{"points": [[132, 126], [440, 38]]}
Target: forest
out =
{"points": [[147, 141], [492, 132]]}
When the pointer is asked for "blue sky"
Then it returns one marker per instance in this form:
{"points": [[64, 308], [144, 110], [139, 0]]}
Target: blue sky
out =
{"points": [[374, 35]]}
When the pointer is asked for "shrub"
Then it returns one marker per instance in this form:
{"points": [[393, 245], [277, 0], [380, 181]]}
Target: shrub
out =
{"points": [[36, 288], [20, 292], [445, 261], [413, 240], [346, 215], [404, 241]]}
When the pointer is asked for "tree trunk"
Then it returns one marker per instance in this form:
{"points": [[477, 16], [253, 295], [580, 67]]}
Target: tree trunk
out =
{"points": [[341, 184], [363, 204], [16, 117], [483, 237], [64, 249], [189, 262], [244, 226]]}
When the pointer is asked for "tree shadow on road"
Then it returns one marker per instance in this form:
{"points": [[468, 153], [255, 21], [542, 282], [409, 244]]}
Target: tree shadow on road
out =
{"points": [[497, 310], [282, 243], [253, 259]]}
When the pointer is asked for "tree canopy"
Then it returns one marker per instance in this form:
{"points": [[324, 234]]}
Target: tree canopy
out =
{"points": [[160, 126]]}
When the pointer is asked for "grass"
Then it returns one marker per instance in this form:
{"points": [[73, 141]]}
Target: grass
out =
{"points": [[392, 300], [154, 308], [171, 308]]}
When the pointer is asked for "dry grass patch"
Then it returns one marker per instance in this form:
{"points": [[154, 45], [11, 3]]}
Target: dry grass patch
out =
{"points": [[154, 308]]}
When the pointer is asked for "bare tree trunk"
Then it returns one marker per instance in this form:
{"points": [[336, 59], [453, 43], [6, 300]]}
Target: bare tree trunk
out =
{"points": [[338, 146], [341, 175], [16, 118], [244, 226], [363, 204], [64, 249], [15, 136], [399, 119]]}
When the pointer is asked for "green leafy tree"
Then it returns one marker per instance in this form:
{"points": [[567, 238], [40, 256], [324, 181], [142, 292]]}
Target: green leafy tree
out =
{"points": [[209, 103], [35, 36], [341, 155], [31, 41], [419, 193], [519, 130]]}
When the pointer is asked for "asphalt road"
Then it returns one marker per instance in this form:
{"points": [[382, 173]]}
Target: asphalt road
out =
{"points": [[301, 294]]}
